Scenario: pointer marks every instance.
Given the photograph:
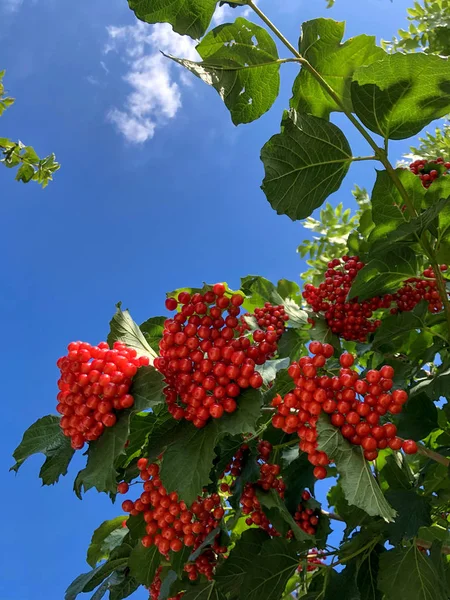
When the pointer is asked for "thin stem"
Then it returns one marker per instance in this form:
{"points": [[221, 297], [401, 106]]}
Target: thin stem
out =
{"points": [[433, 455], [276, 31], [291, 443], [380, 153]]}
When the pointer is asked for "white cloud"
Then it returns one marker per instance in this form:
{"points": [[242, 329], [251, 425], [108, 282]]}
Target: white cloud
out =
{"points": [[155, 95], [12, 5]]}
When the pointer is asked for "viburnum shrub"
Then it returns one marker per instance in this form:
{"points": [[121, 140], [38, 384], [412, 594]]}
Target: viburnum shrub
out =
{"points": [[214, 421]]}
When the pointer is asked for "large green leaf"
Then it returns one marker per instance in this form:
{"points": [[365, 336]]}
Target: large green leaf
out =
{"points": [[190, 17], [240, 60], [147, 388], [358, 484], [304, 164], [352, 515], [153, 331], [418, 417], [231, 574], [394, 328], [412, 229], [96, 551], [413, 512], [143, 563], [384, 275], [408, 574], [45, 436], [297, 474], [245, 418], [121, 586], [188, 460], [397, 96], [204, 591], [124, 329], [100, 472], [270, 570], [321, 45]]}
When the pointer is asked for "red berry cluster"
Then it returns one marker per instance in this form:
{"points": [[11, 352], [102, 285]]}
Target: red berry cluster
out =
{"points": [[205, 563], [269, 479], [205, 359], [313, 560], [170, 524], [354, 403], [429, 170], [269, 318], [94, 383], [307, 518], [354, 320], [351, 320], [417, 289], [155, 587]]}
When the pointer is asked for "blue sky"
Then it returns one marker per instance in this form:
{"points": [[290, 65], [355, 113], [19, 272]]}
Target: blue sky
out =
{"points": [[157, 190]]}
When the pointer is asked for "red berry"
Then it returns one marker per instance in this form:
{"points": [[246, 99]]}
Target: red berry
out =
{"points": [[123, 487], [409, 447], [319, 472]]}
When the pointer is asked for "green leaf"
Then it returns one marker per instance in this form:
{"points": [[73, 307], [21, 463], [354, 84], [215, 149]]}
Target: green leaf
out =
{"points": [[304, 164], [395, 328], [187, 472], [352, 515], [418, 417], [143, 563], [279, 516], [204, 591], [231, 574], [397, 473], [100, 472], [398, 96], [320, 45], [358, 484], [368, 572], [298, 475], [289, 289], [292, 344], [415, 226], [260, 289], [121, 587], [77, 586], [187, 17], [270, 368], [95, 551], [118, 559], [282, 385], [245, 418], [406, 574], [147, 388], [384, 275], [124, 329], [45, 436], [166, 584], [240, 60], [270, 572], [413, 512], [153, 331]]}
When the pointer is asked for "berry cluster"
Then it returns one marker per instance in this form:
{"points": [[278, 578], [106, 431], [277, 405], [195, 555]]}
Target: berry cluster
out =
{"points": [[307, 518], [417, 289], [270, 318], [155, 587], [205, 563], [205, 359], [351, 320], [170, 525], [354, 320], [355, 404], [269, 479], [94, 383], [429, 170], [313, 560]]}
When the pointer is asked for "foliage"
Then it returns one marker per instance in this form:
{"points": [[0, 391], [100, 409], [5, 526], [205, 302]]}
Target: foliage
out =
{"points": [[16, 154], [239, 477], [428, 31]]}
